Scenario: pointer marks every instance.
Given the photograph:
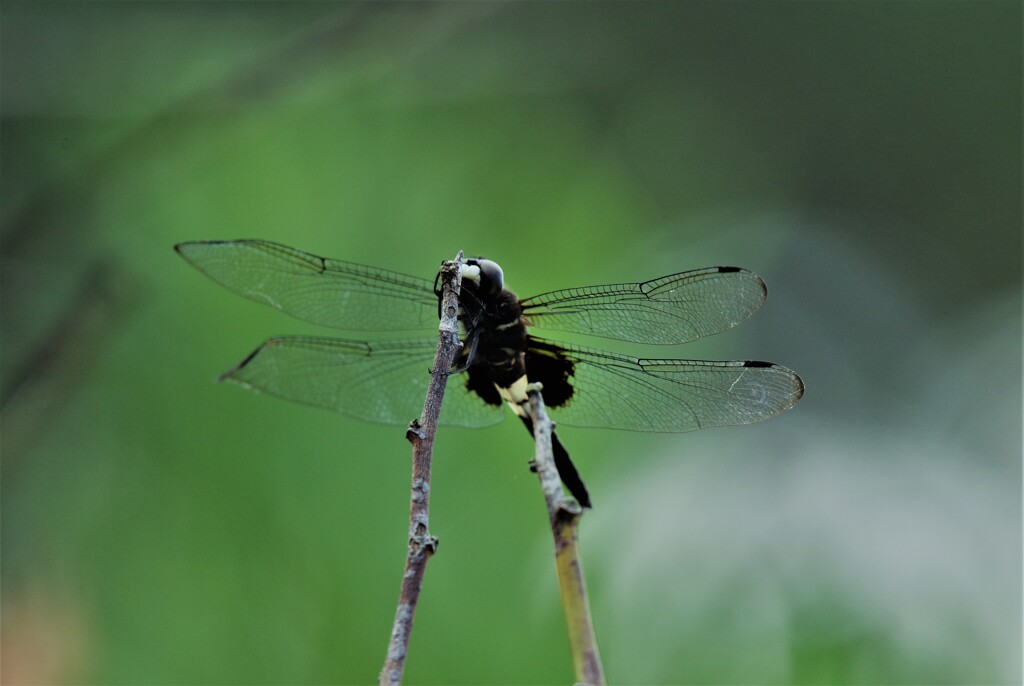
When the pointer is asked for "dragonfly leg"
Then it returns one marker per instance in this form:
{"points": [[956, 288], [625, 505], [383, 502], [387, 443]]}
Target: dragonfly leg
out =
{"points": [[473, 339]]}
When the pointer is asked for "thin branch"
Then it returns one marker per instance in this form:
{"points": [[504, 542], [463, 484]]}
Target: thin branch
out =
{"points": [[564, 516], [421, 434]]}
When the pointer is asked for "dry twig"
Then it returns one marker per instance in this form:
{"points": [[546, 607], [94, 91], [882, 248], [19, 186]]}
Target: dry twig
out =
{"points": [[421, 434], [564, 516]]}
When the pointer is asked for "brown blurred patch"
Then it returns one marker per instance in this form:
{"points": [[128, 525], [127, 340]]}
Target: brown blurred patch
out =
{"points": [[44, 638]]}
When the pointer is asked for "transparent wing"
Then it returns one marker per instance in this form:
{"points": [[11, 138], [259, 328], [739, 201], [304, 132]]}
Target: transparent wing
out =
{"points": [[621, 392], [333, 293], [673, 309], [380, 382]]}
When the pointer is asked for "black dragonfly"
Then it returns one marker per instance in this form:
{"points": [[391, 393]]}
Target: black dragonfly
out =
{"points": [[385, 381]]}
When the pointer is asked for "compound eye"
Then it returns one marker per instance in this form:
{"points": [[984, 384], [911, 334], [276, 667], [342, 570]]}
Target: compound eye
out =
{"points": [[492, 279]]}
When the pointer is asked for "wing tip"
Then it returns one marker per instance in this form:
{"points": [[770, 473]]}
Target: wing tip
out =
{"points": [[797, 391], [232, 374], [186, 249], [741, 270]]}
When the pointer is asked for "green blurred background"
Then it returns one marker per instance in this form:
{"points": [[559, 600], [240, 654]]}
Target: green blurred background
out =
{"points": [[863, 157]]}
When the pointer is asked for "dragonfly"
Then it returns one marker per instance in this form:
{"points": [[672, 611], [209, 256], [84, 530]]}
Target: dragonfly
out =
{"points": [[383, 381]]}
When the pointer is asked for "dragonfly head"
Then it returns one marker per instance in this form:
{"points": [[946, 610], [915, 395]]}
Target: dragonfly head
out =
{"points": [[486, 276]]}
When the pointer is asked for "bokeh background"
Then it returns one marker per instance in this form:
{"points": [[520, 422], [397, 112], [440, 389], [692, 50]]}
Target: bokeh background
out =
{"points": [[863, 157]]}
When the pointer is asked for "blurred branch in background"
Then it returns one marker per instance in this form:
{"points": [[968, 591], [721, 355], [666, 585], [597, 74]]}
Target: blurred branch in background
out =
{"points": [[42, 371], [270, 78]]}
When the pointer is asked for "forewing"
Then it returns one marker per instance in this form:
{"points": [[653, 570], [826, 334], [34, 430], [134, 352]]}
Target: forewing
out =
{"points": [[328, 292], [673, 309], [620, 392], [382, 382]]}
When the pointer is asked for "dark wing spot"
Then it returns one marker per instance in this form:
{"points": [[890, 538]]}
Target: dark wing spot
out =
{"points": [[727, 270], [549, 364], [479, 381], [756, 363]]}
